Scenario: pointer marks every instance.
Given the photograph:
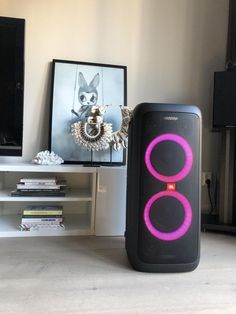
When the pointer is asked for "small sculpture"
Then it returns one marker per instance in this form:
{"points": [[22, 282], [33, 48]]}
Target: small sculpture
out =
{"points": [[94, 134], [47, 158]]}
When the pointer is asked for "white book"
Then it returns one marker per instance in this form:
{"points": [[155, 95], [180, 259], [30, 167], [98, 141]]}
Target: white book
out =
{"points": [[22, 186], [39, 180], [42, 224], [41, 220], [36, 227], [38, 183], [61, 182]]}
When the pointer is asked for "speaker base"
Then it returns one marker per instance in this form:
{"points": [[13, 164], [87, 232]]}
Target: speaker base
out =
{"points": [[138, 265]]}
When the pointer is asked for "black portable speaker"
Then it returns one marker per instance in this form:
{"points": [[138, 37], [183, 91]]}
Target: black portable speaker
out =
{"points": [[163, 188]]}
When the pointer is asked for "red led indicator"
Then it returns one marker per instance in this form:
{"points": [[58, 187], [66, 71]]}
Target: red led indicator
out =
{"points": [[171, 186]]}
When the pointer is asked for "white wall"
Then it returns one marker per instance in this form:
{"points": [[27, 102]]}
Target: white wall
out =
{"points": [[171, 49]]}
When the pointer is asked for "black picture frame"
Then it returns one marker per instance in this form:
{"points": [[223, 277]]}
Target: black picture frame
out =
{"points": [[66, 102]]}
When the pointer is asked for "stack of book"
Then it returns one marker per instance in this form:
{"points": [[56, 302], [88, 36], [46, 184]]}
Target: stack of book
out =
{"points": [[39, 187], [42, 218]]}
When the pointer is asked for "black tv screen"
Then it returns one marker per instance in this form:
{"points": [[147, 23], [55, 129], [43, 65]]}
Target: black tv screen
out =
{"points": [[224, 100], [11, 85]]}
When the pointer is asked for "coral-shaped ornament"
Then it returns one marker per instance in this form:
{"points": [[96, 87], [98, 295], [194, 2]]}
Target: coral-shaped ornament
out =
{"points": [[47, 158]]}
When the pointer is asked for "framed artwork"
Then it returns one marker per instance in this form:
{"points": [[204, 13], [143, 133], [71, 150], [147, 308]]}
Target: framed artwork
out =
{"points": [[76, 87]]}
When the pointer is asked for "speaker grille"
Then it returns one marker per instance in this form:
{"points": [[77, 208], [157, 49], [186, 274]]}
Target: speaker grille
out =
{"points": [[169, 185], [162, 160], [182, 229], [168, 158]]}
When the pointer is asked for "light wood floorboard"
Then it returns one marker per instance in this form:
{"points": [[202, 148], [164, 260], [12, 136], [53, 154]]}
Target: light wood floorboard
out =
{"points": [[67, 275]]}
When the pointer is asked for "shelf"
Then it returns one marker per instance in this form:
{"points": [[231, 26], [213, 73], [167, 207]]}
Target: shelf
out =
{"points": [[71, 196], [75, 224], [78, 203], [28, 167]]}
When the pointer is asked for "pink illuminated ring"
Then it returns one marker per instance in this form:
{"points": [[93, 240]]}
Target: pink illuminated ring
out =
{"points": [[178, 233], [188, 157]]}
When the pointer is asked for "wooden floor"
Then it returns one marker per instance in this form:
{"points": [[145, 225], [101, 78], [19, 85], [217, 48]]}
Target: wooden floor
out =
{"points": [[92, 275]]}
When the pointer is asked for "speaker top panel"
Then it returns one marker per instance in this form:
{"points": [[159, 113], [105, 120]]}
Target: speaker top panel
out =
{"points": [[143, 108]]}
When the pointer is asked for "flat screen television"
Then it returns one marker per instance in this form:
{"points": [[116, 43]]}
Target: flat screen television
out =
{"points": [[224, 100], [11, 85]]}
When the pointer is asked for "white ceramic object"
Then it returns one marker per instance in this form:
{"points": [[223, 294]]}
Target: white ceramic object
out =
{"points": [[47, 158]]}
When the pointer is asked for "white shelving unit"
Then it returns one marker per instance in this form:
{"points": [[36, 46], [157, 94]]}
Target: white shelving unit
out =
{"points": [[78, 204], [111, 201]]}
